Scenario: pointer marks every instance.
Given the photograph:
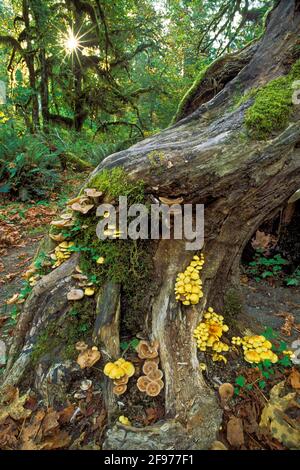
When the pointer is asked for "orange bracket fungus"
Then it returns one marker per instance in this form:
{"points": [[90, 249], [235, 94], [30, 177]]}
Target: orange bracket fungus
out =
{"points": [[188, 287]]}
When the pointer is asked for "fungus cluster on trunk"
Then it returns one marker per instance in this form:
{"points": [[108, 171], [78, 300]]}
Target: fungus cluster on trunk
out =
{"points": [[188, 287], [151, 383], [119, 372]]}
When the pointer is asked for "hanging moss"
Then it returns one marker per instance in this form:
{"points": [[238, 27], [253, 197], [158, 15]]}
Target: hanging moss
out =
{"points": [[273, 106]]}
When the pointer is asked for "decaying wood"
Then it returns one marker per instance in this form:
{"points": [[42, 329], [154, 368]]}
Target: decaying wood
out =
{"points": [[107, 335]]}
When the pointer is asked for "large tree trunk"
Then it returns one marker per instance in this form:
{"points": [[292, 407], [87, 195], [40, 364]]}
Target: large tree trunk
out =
{"points": [[202, 159]]}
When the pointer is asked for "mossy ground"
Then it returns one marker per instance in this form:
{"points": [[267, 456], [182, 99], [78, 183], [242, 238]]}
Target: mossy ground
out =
{"points": [[272, 106]]}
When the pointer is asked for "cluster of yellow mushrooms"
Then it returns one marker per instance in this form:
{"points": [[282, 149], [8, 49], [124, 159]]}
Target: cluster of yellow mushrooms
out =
{"points": [[209, 332], [256, 348], [120, 372], [61, 253], [188, 287]]}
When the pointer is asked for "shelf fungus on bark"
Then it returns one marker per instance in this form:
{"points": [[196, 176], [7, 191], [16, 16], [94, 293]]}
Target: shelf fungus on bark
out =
{"points": [[188, 287], [93, 194], [146, 350], [88, 357]]}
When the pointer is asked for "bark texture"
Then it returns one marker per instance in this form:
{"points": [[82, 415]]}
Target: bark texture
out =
{"points": [[205, 158]]}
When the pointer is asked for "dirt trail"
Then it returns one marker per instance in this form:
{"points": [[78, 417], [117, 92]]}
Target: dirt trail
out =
{"points": [[263, 303], [15, 262]]}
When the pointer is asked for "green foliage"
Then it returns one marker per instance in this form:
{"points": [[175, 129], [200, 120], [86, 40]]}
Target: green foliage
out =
{"points": [[28, 168], [294, 279], [273, 106], [263, 267], [132, 344]]}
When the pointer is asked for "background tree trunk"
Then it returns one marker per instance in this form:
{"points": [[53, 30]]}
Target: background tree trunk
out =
{"points": [[203, 159]]}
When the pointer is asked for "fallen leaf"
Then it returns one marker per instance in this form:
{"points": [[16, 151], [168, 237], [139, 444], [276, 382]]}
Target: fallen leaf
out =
{"points": [[15, 409], [235, 433], [274, 418], [294, 379], [50, 423]]}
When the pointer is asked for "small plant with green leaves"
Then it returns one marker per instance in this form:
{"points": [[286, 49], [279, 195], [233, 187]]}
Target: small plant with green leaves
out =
{"points": [[263, 267], [129, 345], [266, 369], [294, 279]]}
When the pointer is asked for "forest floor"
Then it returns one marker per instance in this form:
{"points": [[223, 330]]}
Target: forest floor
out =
{"points": [[22, 226]]}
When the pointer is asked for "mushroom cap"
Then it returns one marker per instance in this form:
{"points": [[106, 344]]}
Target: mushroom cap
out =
{"points": [[160, 383], [155, 375], [146, 350], [122, 380], [142, 383], [89, 292], [119, 389], [81, 346], [153, 389], [74, 199], [82, 208], [124, 420], [107, 368], [92, 192], [226, 391], [252, 356], [66, 216], [88, 358], [116, 372], [75, 294], [57, 238], [128, 368], [149, 366], [62, 223], [169, 201]]}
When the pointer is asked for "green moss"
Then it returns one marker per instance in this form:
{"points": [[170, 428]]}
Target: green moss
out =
{"points": [[273, 106], [232, 303], [61, 335], [189, 94], [156, 158], [115, 183]]}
